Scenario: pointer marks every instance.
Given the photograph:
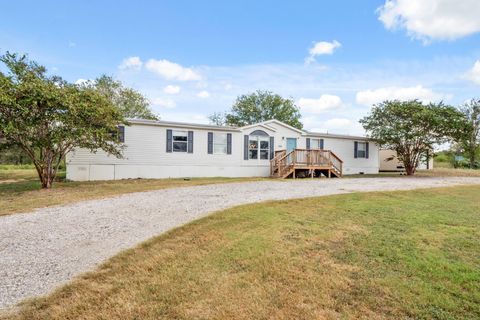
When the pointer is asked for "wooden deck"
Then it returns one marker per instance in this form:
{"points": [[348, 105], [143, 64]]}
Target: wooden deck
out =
{"points": [[304, 163]]}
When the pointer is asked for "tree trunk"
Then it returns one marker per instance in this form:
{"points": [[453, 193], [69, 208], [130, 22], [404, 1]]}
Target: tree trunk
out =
{"points": [[46, 183], [472, 159], [47, 177], [47, 173], [408, 161], [46, 162], [410, 170]]}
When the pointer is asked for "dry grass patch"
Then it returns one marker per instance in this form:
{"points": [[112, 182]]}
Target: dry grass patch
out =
{"points": [[397, 255], [436, 172], [449, 172]]}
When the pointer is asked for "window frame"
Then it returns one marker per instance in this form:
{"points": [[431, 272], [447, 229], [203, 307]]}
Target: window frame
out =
{"points": [[118, 134], [182, 142], [214, 143], [258, 140], [250, 149], [260, 149], [361, 144], [312, 140]]}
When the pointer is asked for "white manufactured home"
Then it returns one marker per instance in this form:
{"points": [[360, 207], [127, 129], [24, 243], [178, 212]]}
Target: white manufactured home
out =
{"points": [[162, 149]]}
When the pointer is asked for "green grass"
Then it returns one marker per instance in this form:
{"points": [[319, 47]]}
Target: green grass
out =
{"points": [[444, 164], [396, 255], [16, 166], [16, 173]]}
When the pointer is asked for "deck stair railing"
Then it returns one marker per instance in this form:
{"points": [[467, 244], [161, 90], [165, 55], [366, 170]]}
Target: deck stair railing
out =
{"points": [[284, 164]]}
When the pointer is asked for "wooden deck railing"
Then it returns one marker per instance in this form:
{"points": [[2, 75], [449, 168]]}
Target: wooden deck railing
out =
{"points": [[278, 163], [336, 162], [308, 158]]}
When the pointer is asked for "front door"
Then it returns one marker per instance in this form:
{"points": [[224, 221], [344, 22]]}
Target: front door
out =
{"points": [[291, 144]]}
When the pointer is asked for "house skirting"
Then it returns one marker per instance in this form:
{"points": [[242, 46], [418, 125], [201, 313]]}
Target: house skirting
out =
{"points": [[92, 172]]}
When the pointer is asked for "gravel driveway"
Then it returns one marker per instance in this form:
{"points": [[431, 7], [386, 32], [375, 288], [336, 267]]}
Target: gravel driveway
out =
{"points": [[45, 248]]}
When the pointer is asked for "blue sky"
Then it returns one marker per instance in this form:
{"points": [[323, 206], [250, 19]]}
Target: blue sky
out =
{"points": [[191, 58]]}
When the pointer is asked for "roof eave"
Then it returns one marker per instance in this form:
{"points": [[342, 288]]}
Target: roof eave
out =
{"points": [[337, 136], [181, 125]]}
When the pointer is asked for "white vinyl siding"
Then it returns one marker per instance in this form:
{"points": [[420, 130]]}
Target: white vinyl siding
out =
{"points": [[146, 146], [146, 154]]}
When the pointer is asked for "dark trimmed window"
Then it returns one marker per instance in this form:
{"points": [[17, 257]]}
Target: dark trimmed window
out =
{"points": [[361, 150], [118, 134]]}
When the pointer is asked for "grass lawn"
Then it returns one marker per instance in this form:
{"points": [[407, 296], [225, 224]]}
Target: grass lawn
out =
{"points": [[397, 255], [449, 172], [436, 172], [20, 188]]}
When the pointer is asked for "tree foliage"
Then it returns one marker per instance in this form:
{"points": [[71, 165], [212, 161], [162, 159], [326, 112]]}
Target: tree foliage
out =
{"points": [[261, 106], [218, 118], [469, 141], [132, 103], [13, 155], [47, 117], [412, 128]]}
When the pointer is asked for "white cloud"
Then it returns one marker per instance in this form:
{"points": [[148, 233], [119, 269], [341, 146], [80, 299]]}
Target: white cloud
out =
{"points": [[440, 75], [370, 97], [322, 48], [172, 71], [71, 44], [190, 117], [133, 63], [83, 81], [432, 19], [474, 73], [171, 89], [164, 103], [338, 123], [326, 102], [203, 94]]}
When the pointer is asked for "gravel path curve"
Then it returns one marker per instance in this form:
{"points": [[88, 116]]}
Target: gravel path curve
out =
{"points": [[43, 249]]}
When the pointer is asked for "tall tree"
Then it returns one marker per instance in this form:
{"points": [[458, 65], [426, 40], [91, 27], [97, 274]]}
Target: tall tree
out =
{"points": [[132, 103], [218, 118], [47, 117], [412, 128], [261, 106], [470, 140]]}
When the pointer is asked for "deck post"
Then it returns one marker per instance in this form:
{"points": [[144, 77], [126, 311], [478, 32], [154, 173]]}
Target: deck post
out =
{"points": [[329, 173]]}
